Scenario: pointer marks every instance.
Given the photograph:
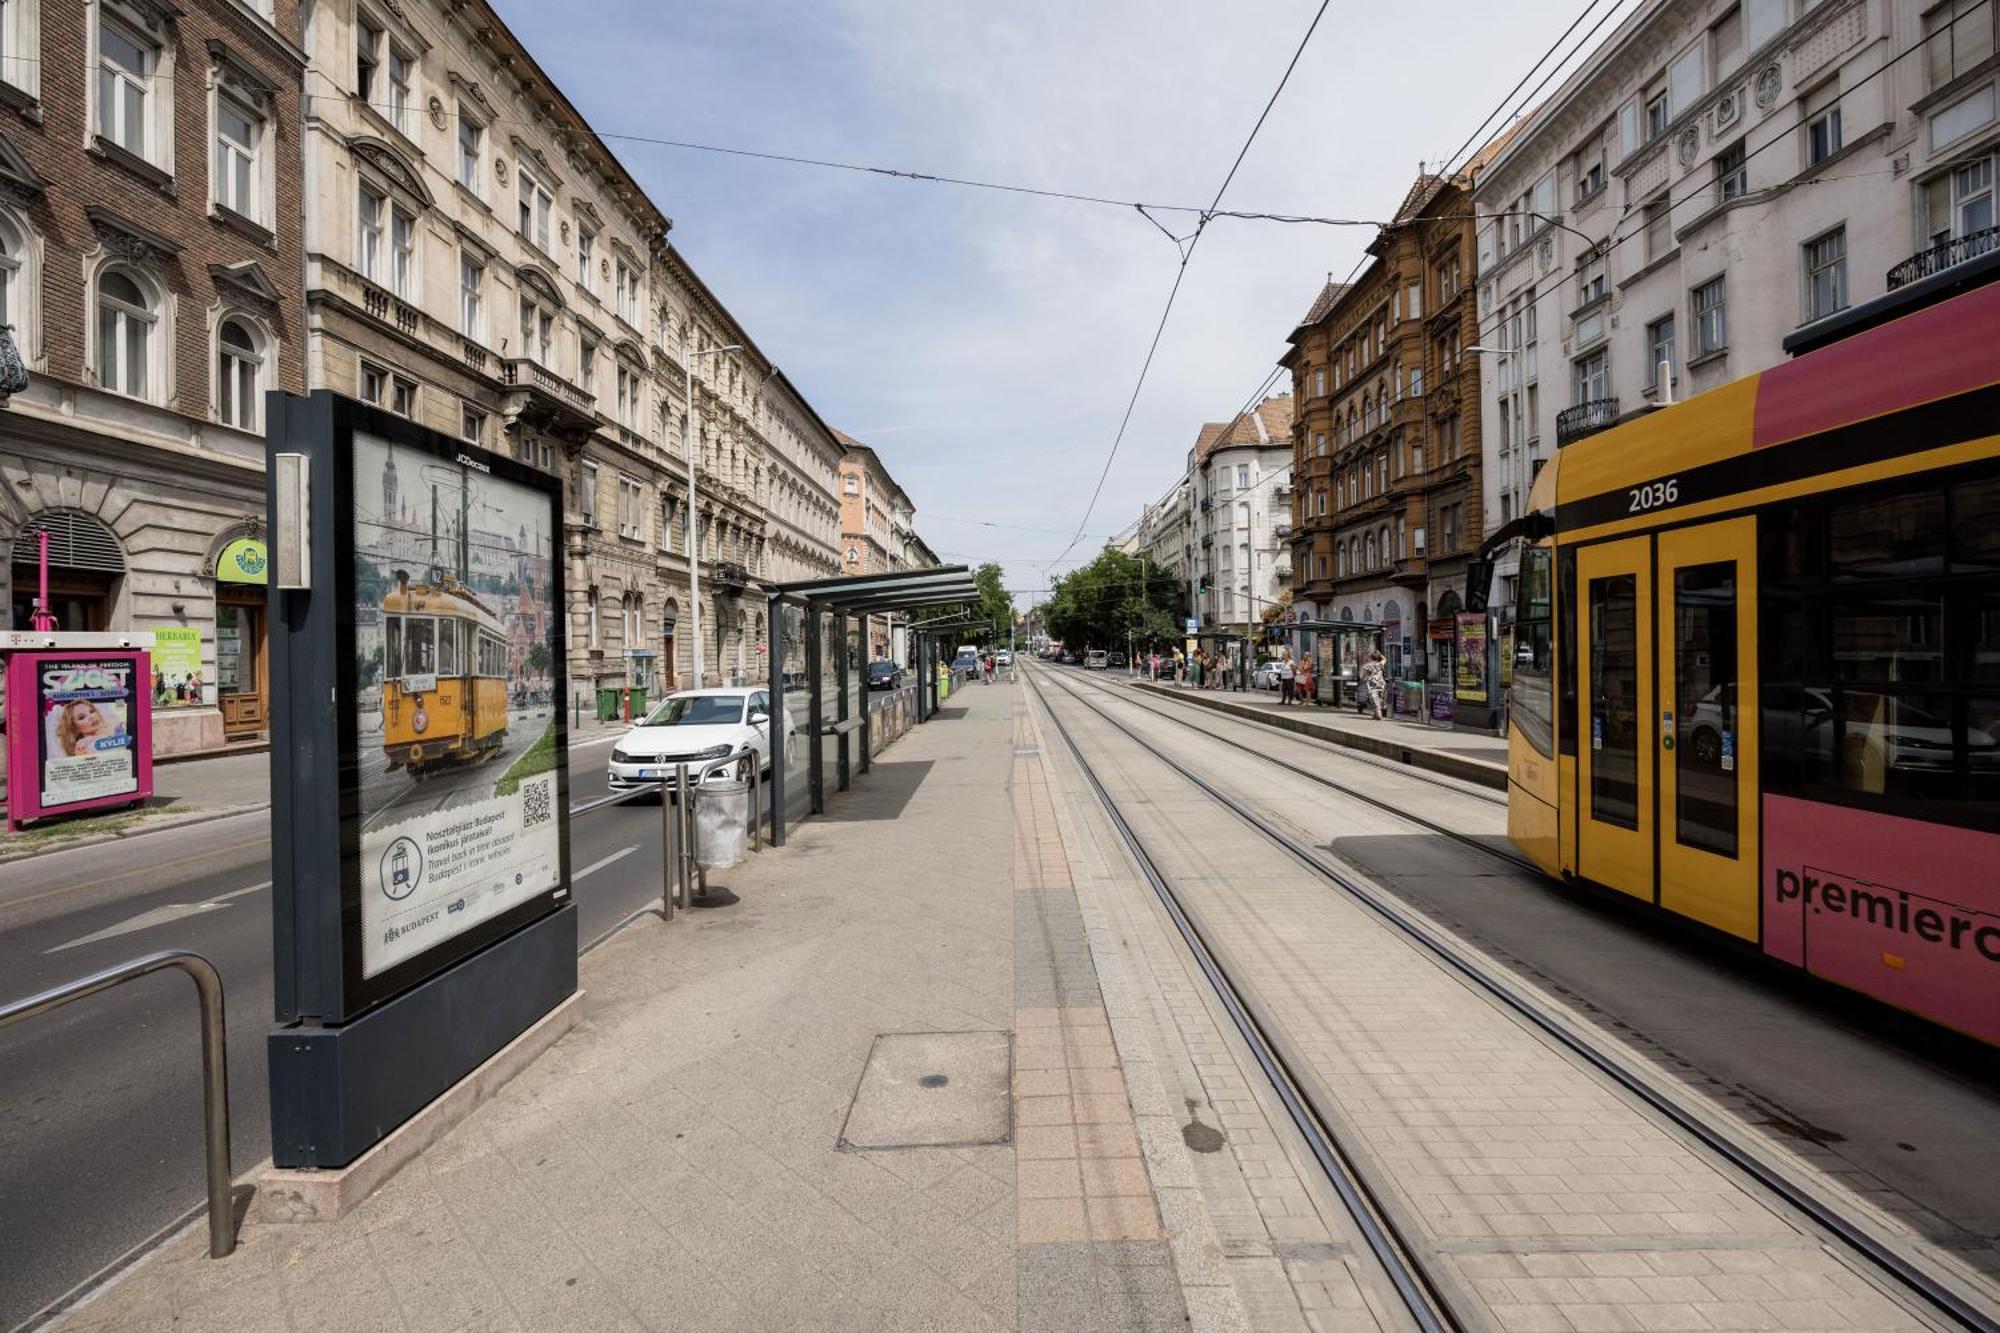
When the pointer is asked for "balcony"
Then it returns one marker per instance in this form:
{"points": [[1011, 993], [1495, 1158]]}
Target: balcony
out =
{"points": [[543, 399], [1945, 254], [729, 576], [1283, 573], [1281, 530], [1574, 423]]}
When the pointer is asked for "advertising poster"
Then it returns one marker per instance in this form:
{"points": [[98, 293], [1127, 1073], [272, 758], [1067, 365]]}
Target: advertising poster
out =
{"points": [[176, 667], [88, 717], [454, 645], [1469, 668]]}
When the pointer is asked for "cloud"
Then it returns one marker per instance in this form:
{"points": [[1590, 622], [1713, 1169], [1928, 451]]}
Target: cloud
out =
{"points": [[992, 340]]}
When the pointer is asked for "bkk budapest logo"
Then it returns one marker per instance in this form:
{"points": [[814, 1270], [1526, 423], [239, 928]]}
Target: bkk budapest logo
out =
{"points": [[1891, 909]]}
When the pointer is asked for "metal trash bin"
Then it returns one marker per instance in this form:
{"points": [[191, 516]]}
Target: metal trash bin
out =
{"points": [[721, 822]]}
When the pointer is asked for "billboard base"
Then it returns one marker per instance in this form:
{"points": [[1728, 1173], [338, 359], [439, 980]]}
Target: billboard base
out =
{"points": [[336, 1092]]}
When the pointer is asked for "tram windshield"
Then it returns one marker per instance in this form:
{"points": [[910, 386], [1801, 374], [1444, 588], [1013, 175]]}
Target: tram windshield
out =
{"points": [[410, 645]]}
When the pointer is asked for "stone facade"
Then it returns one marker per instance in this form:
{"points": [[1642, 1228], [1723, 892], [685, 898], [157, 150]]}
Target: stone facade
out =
{"points": [[1239, 482], [1715, 175], [151, 273], [1387, 511], [802, 489]]}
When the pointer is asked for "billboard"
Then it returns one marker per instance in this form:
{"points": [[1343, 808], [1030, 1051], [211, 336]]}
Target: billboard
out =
{"points": [[1469, 663], [79, 732], [454, 638], [177, 675]]}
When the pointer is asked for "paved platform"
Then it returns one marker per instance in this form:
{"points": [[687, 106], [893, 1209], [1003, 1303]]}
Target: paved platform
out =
{"points": [[677, 1162], [1472, 756]]}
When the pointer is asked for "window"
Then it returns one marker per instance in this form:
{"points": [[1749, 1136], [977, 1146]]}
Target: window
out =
{"points": [[535, 205], [402, 396], [368, 42], [851, 485], [1660, 346], [1822, 122], [402, 253], [471, 297], [1732, 172], [1726, 42], [368, 234], [630, 497], [12, 252], [1242, 476], [1614, 700], [239, 132], [628, 395], [1591, 280], [1659, 229], [586, 250], [239, 372], [586, 362], [126, 320], [1826, 274], [537, 332], [627, 290], [1686, 79], [1656, 115], [472, 424], [402, 110], [374, 385], [586, 492], [126, 64], [1589, 175], [1590, 377], [1705, 671], [471, 152], [1416, 381], [1711, 317], [1960, 204], [1958, 35]]}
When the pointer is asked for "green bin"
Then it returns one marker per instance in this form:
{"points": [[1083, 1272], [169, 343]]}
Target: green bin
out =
{"points": [[607, 703], [636, 696]]}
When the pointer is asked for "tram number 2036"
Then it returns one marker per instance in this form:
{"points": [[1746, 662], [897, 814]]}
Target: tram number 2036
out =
{"points": [[1657, 495]]}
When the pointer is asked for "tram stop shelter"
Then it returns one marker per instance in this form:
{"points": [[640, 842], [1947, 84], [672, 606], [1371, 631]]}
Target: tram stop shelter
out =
{"points": [[926, 634], [1236, 652], [816, 617], [1338, 648]]}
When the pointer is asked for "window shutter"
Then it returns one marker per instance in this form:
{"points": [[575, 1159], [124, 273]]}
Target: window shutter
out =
{"points": [[1937, 209]]}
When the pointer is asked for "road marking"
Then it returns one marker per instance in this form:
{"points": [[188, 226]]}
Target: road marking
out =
{"points": [[152, 869], [598, 865], [158, 916], [221, 898]]}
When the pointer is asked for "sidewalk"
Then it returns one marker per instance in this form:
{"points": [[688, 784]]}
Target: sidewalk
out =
{"points": [[186, 792], [740, 1135], [1472, 756]]}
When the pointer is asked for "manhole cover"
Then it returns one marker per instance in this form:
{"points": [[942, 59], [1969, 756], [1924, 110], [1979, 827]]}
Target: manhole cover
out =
{"points": [[932, 1090]]}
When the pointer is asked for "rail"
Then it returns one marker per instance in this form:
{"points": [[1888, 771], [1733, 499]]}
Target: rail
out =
{"points": [[214, 1064], [1945, 254]]}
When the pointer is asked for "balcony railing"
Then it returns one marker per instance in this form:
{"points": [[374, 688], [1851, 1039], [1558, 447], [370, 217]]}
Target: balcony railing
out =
{"points": [[730, 575], [1573, 423], [525, 373], [1281, 530], [1944, 255]]}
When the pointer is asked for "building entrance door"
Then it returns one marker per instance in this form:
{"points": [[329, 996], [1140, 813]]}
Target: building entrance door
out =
{"points": [[241, 679]]}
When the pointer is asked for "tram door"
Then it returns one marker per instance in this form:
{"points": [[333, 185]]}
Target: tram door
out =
{"points": [[1614, 590], [1707, 729]]}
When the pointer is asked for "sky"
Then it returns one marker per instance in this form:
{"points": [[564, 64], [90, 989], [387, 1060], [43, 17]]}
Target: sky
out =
{"points": [[987, 344]]}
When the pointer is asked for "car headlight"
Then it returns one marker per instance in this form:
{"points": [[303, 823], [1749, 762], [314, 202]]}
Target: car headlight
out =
{"points": [[718, 751], [618, 756]]}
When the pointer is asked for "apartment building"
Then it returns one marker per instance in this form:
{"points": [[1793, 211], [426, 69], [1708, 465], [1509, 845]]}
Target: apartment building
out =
{"points": [[802, 488], [150, 268], [1718, 174], [1239, 477]]}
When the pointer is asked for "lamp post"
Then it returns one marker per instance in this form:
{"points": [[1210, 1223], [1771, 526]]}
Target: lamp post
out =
{"points": [[694, 533]]}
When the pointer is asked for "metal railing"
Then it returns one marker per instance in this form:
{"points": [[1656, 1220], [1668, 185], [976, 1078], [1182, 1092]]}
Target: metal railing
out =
{"points": [[1945, 254], [214, 1064], [1573, 423]]}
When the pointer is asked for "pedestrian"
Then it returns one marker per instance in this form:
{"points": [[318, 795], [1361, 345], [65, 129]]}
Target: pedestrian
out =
{"points": [[1302, 689], [986, 669], [1375, 685], [1288, 676]]}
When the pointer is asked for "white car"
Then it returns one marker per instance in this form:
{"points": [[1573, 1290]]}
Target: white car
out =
{"points": [[697, 727]]}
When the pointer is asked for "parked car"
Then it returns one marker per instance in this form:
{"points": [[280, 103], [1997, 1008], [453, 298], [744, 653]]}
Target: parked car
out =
{"points": [[884, 674], [696, 727], [1095, 660], [1003, 657], [966, 663], [1116, 661], [1265, 677], [1070, 659]]}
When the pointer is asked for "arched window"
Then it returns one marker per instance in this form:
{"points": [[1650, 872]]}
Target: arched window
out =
{"points": [[1340, 558], [1371, 551], [127, 319], [12, 252], [239, 374], [1385, 543]]}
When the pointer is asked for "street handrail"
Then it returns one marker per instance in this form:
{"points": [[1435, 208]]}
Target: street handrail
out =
{"points": [[214, 1064]]}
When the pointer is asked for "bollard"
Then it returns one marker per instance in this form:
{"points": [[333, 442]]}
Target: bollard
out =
{"points": [[756, 805], [684, 817], [670, 852]]}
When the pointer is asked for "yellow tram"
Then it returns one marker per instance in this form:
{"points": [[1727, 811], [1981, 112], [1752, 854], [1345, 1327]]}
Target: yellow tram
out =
{"points": [[444, 687], [1758, 672]]}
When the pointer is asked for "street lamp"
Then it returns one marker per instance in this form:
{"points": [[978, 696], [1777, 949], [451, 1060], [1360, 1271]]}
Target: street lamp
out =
{"points": [[693, 532]]}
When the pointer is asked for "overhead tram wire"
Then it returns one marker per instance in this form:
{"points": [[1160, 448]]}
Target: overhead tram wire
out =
{"points": [[1451, 161], [1180, 274]]}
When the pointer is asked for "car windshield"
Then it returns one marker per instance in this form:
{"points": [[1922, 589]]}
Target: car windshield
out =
{"points": [[696, 710]]}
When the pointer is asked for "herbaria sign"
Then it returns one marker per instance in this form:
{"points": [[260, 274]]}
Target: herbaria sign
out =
{"points": [[452, 635]]}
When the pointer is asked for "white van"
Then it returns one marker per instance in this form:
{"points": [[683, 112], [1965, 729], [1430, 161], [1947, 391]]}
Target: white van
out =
{"points": [[1095, 660]]}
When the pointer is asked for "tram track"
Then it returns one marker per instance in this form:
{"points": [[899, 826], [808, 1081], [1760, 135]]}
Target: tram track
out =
{"points": [[1430, 1302]]}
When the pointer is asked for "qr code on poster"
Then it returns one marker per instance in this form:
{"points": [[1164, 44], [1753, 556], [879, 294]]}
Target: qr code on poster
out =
{"points": [[535, 804]]}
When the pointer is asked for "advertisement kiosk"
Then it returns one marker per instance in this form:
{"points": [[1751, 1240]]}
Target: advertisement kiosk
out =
{"points": [[79, 722], [420, 835]]}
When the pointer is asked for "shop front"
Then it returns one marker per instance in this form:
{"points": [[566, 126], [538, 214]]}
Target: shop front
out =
{"points": [[242, 668]]}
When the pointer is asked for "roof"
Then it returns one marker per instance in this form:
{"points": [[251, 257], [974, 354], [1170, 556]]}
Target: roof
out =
{"points": [[1328, 295], [1268, 424]]}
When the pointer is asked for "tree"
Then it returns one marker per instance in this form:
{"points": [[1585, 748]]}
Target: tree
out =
{"points": [[1111, 599]]}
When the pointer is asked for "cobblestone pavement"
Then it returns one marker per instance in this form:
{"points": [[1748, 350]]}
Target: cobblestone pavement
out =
{"points": [[673, 1163], [1540, 1193]]}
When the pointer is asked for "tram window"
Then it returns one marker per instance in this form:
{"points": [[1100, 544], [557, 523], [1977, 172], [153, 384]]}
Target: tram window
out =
{"points": [[419, 645], [1534, 682], [1614, 700], [1975, 526], [448, 631], [1888, 637], [1705, 706], [1986, 637], [1898, 745], [392, 646], [1983, 753], [1566, 649], [1889, 537]]}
